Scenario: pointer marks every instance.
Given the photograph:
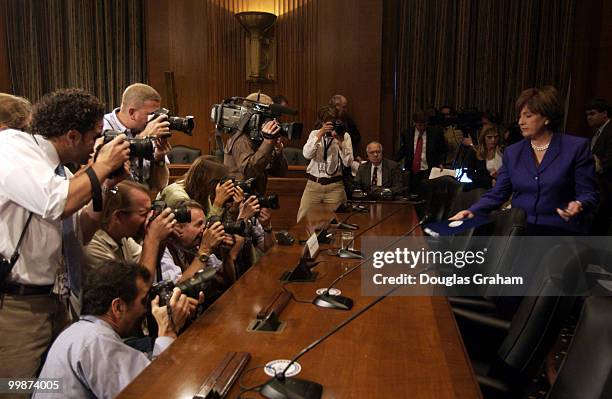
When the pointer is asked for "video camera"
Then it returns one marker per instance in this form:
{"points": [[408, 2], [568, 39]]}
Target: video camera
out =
{"points": [[200, 282], [181, 214], [178, 123], [239, 114]]}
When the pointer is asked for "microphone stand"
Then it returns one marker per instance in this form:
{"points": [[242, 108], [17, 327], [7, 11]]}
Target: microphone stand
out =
{"points": [[325, 300], [281, 387], [354, 254]]}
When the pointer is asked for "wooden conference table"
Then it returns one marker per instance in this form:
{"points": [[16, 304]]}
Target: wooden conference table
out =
{"points": [[404, 347]]}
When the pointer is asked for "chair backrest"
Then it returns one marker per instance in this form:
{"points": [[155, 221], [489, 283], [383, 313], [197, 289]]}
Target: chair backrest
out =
{"points": [[538, 319], [294, 156], [183, 154], [586, 371], [439, 194], [465, 199]]}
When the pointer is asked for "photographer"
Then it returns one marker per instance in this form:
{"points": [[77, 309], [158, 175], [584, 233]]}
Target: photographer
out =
{"points": [[15, 112], [196, 245], [139, 101], [125, 221], [246, 158], [196, 185], [328, 149], [89, 357], [41, 201]]}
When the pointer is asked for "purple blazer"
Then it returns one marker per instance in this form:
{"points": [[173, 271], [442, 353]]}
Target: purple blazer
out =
{"points": [[567, 173]]}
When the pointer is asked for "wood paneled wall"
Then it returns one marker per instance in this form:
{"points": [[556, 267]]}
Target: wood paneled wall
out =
{"points": [[323, 48], [5, 77]]}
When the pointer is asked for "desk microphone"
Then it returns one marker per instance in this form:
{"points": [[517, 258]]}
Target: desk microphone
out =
{"points": [[342, 225], [281, 387], [354, 254], [325, 300]]}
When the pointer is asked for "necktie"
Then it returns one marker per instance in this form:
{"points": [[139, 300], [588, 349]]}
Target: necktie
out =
{"points": [[375, 177], [416, 160], [594, 139], [71, 248]]}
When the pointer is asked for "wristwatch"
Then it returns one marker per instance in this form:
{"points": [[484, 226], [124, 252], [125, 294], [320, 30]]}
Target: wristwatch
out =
{"points": [[202, 257]]}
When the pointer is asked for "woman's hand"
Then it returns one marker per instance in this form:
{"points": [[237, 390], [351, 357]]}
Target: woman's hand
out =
{"points": [[572, 209], [465, 214]]}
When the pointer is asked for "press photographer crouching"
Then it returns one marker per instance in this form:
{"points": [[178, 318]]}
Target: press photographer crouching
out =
{"points": [[198, 244], [125, 225], [89, 357], [250, 218]]}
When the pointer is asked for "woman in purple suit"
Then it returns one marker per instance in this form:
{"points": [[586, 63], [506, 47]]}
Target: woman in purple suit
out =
{"points": [[550, 175]]}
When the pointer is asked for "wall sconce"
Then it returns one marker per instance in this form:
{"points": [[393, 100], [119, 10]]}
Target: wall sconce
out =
{"points": [[260, 45]]}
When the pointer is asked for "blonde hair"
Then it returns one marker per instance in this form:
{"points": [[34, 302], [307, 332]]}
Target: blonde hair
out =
{"points": [[481, 148], [15, 111], [136, 94]]}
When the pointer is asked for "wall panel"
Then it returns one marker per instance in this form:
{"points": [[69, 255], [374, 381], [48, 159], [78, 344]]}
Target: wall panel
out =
{"points": [[319, 53]]}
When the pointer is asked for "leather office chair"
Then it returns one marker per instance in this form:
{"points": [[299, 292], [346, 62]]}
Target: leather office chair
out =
{"points": [[438, 195], [183, 154], [527, 338], [586, 371], [501, 254], [294, 156]]}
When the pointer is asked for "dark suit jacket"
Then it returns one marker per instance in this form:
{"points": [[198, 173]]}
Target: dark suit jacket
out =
{"points": [[567, 173], [391, 177], [477, 170], [435, 147], [603, 151]]}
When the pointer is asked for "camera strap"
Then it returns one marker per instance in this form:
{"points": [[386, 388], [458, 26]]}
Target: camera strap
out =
{"points": [[15, 256]]}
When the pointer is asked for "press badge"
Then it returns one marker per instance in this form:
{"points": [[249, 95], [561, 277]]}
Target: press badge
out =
{"points": [[322, 167], [61, 286]]}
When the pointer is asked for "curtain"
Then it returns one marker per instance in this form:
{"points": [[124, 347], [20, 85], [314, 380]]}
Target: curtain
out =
{"points": [[95, 45], [479, 53]]}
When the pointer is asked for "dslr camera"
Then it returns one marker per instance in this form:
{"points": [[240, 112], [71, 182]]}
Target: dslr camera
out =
{"points": [[201, 281], [239, 114], [247, 186], [229, 227], [269, 201], [178, 123], [181, 214], [139, 148]]}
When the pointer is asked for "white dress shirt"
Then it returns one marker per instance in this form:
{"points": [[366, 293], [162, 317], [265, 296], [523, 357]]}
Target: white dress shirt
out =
{"points": [[314, 151], [28, 183], [91, 360], [112, 122]]}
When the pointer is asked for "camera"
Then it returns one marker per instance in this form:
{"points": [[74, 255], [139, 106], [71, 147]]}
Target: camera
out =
{"points": [[178, 123], [230, 227], [270, 201], [139, 148], [201, 281], [239, 114], [247, 186], [181, 214]]}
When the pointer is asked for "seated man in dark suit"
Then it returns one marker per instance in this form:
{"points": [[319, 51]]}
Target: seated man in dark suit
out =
{"points": [[378, 173], [422, 149]]}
